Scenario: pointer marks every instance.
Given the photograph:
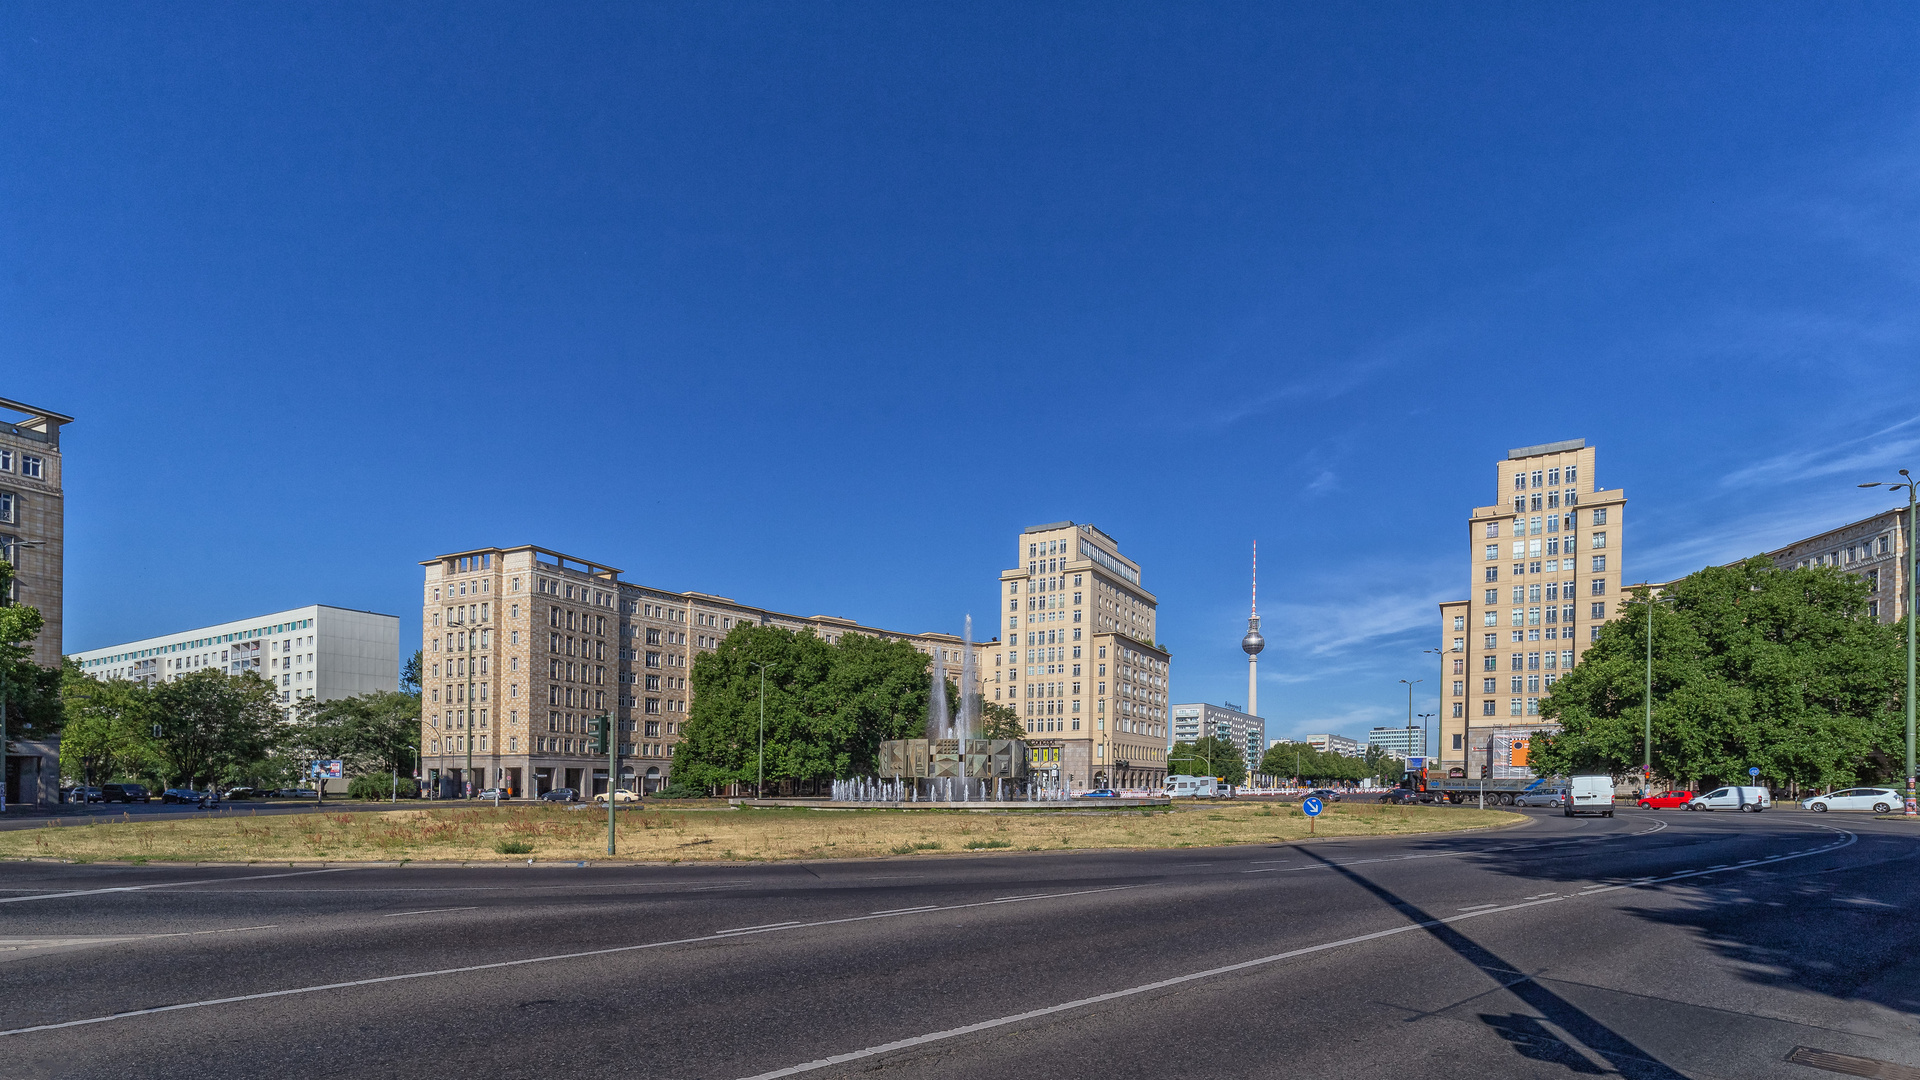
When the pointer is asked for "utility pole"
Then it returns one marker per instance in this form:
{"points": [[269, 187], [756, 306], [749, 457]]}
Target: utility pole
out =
{"points": [[1913, 559], [1410, 685]]}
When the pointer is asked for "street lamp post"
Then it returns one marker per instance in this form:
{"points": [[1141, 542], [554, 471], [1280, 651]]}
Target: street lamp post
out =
{"points": [[760, 777], [1913, 554], [1426, 740], [1410, 684]]}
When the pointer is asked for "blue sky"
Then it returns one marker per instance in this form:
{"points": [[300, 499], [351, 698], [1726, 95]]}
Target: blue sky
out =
{"points": [[817, 306]]}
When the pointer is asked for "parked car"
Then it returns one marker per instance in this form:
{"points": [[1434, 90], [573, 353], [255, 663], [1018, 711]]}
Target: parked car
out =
{"points": [[181, 795], [129, 793], [1553, 797], [1750, 799], [245, 793], [1667, 800], [1589, 794], [1880, 800], [493, 793], [1324, 794], [620, 795], [80, 793], [1402, 796], [1099, 793], [560, 794]]}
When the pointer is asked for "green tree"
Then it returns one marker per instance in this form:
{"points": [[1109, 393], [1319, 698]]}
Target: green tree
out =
{"points": [[999, 721], [410, 674], [1753, 666], [213, 725], [31, 693], [828, 707], [1227, 761], [108, 733], [1380, 765]]}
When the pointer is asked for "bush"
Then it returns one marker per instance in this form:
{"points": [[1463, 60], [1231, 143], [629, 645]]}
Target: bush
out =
{"points": [[677, 790], [513, 847], [377, 787]]}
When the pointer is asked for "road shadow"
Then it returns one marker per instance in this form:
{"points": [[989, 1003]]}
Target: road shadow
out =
{"points": [[1528, 1036]]}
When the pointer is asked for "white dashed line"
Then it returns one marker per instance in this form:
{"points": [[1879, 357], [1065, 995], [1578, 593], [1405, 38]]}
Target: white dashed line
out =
{"points": [[167, 885]]}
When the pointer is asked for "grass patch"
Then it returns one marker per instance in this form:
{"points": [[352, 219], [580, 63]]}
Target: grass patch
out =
{"points": [[671, 833]]}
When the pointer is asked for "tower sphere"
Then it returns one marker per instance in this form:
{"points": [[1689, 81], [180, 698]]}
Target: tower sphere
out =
{"points": [[1253, 642]]}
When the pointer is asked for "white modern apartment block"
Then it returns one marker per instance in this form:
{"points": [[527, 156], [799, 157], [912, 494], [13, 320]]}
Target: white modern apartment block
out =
{"points": [[311, 652], [1200, 720], [1401, 742], [1337, 744]]}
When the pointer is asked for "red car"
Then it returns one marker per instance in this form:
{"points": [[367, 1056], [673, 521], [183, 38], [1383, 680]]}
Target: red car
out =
{"points": [[1667, 800]]}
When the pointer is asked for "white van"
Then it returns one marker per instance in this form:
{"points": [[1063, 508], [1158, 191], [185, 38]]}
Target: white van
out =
{"points": [[1751, 799], [1590, 795]]}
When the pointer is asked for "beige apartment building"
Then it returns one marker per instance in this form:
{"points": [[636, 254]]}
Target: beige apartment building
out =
{"points": [[1873, 549], [33, 517], [1081, 664], [1548, 559], [523, 645]]}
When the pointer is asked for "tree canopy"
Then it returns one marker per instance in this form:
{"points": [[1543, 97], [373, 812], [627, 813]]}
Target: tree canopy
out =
{"points": [[828, 706], [1227, 761], [32, 692], [1303, 762], [1753, 666]]}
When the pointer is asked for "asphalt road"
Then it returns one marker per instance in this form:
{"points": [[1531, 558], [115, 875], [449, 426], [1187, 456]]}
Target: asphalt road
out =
{"points": [[1647, 945]]}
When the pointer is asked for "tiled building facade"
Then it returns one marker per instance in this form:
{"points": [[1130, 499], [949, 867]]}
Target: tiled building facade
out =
{"points": [[1873, 549], [1547, 559], [33, 517], [522, 646], [1081, 665]]}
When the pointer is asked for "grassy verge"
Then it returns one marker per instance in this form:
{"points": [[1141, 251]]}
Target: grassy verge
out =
{"points": [[676, 835]]}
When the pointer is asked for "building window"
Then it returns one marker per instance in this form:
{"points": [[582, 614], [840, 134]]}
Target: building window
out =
{"points": [[1493, 529], [6, 510], [1486, 709], [1599, 612], [1599, 540], [1492, 573], [1492, 552], [1883, 545], [1599, 564], [32, 466], [1599, 586]]}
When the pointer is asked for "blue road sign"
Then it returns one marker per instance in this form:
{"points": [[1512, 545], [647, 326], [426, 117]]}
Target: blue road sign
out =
{"points": [[1310, 806], [1753, 771]]}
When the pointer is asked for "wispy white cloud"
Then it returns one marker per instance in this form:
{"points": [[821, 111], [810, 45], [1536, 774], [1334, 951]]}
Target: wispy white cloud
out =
{"points": [[1872, 456]]}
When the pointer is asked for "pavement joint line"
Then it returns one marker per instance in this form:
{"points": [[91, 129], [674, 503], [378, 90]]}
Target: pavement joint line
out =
{"points": [[1178, 980], [428, 911], [522, 962], [168, 885]]}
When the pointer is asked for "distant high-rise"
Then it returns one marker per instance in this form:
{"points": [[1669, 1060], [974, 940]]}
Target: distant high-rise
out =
{"points": [[1546, 566]]}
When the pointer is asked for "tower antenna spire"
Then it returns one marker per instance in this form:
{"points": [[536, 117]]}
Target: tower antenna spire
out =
{"points": [[1256, 579]]}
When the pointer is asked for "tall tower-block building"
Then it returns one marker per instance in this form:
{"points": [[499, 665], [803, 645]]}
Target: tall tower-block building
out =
{"points": [[1546, 560]]}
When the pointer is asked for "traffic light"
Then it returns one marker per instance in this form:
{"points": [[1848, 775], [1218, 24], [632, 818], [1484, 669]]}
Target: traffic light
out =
{"points": [[598, 727]]}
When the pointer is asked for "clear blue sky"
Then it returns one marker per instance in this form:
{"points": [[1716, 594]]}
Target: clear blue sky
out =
{"points": [[817, 305]]}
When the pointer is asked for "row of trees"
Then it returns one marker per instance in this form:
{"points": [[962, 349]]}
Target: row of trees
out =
{"points": [[1753, 666], [1305, 763], [214, 728]]}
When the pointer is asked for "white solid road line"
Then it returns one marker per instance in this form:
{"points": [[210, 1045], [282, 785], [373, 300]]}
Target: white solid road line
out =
{"points": [[1132, 991], [904, 910], [762, 926], [427, 911], [168, 885], [514, 963]]}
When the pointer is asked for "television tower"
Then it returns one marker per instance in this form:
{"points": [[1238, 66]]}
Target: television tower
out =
{"points": [[1253, 642]]}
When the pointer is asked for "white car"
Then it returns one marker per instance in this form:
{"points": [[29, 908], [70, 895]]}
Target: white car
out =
{"points": [[620, 795], [1880, 800], [1750, 799], [1589, 794]]}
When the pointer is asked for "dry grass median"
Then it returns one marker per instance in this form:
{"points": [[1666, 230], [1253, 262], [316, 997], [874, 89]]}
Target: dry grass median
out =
{"points": [[667, 834]]}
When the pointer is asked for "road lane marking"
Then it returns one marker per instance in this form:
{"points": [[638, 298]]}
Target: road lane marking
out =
{"points": [[904, 910], [1477, 907], [170, 885], [427, 911], [524, 961], [762, 926], [1161, 984]]}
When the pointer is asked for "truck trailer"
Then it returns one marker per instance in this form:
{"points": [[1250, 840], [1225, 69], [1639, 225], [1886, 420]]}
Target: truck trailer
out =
{"points": [[1434, 788]]}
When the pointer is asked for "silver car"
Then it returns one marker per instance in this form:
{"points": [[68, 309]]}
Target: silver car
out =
{"points": [[1554, 797]]}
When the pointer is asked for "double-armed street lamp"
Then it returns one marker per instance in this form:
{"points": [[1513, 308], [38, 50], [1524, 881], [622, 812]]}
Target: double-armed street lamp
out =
{"points": [[1913, 553], [1410, 685]]}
